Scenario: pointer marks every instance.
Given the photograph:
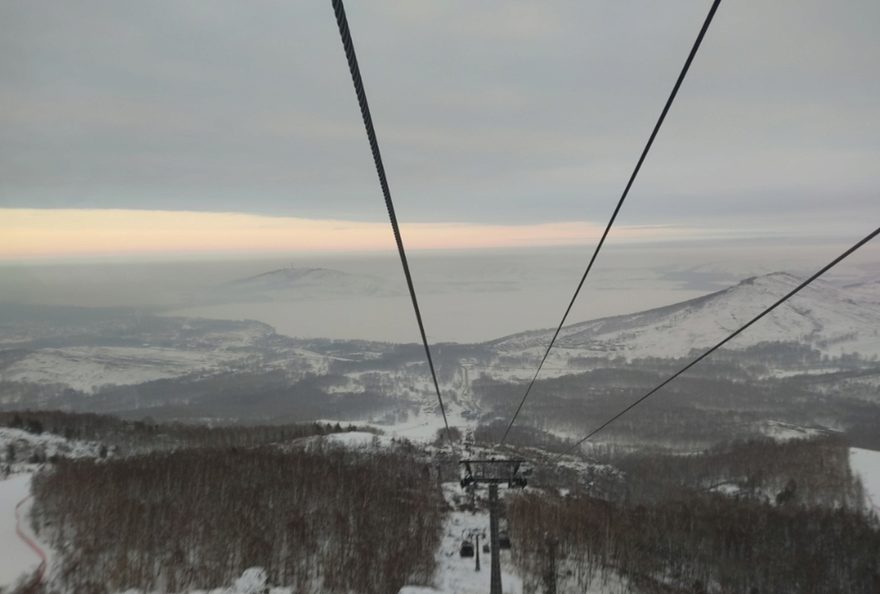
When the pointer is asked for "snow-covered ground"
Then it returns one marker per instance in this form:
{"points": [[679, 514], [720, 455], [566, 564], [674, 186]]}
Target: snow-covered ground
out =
{"points": [[456, 575], [87, 368], [866, 463], [779, 431], [356, 439], [25, 443], [425, 425], [17, 559], [252, 581]]}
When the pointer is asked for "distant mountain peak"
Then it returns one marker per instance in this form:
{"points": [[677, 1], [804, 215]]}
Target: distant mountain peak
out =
{"points": [[291, 273], [312, 282]]}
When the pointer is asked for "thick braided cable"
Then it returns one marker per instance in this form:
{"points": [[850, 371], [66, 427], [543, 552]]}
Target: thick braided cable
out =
{"points": [[348, 46]]}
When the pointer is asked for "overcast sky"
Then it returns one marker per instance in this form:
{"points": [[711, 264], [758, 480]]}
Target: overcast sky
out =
{"points": [[488, 113]]}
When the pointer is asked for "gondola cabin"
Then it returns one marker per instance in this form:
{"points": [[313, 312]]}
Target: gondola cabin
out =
{"points": [[503, 540], [467, 549]]}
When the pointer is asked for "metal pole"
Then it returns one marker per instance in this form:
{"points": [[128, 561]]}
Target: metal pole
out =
{"points": [[477, 568], [495, 584], [550, 576]]}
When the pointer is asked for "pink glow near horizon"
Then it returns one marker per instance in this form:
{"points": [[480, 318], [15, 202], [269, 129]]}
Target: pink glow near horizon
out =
{"points": [[60, 233]]}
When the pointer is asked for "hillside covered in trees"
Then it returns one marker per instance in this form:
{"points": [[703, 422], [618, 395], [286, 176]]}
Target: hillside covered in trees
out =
{"points": [[316, 519], [753, 517], [193, 507]]}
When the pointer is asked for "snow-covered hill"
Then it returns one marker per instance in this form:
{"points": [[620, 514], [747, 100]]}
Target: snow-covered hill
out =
{"points": [[88, 368], [866, 464], [244, 369], [866, 292], [121, 353], [822, 316]]}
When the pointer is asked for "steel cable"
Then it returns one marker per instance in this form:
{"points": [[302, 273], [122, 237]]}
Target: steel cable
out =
{"points": [[350, 56], [632, 178], [730, 337]]}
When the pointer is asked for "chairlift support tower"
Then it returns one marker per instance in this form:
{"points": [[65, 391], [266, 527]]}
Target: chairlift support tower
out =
{"points": [[493, 472]]}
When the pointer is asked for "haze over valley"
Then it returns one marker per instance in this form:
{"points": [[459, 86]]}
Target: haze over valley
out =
{"points": [[339, 349]]}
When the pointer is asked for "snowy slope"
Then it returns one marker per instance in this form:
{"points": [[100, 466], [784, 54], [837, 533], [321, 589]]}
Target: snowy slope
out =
{"points": [[866, 464], [782, 432], [18, 560], [26, 443], [86, 368], [867, 292], [822, 316]]}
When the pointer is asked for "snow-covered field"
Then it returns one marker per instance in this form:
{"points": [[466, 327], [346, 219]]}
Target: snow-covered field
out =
{"points": [[356, 439], [866, 463], [87, 368], [780, 431], [17, 559]]}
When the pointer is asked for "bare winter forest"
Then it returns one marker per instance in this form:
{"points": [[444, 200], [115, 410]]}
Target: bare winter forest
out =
{"points": [[752, 517], [755, 516], [316, 519]]}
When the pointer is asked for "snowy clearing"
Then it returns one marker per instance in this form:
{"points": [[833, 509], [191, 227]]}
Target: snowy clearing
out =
{"points": [[252, 581], [866, 464], [780, 431], [88, 368], [357, 439], [26, 443]]}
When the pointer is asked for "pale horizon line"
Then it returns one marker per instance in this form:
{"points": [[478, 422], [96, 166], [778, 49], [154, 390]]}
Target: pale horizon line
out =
{"points": [[59, 234]]}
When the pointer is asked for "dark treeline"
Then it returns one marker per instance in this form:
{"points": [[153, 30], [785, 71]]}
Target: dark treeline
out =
{"points": [[252, 395], [695, 411], [318, 520], [490, 434], [814, 472], [863, 433], [692, 413], [699, 544], [791, 519], [127, 436]]}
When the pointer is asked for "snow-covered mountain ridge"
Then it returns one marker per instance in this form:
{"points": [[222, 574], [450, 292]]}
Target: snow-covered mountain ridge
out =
{"points": [[868, 292], [821, 316], [214, 369]]}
